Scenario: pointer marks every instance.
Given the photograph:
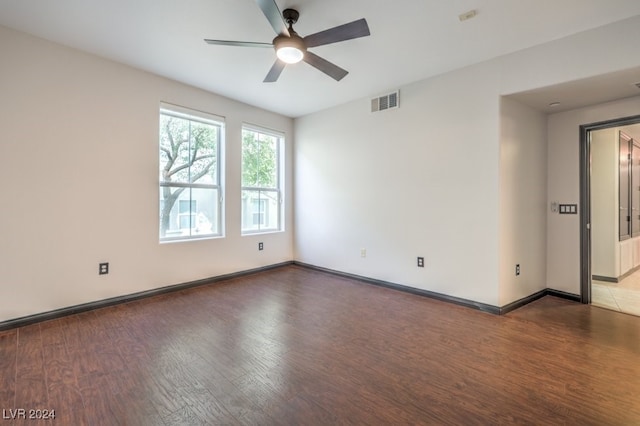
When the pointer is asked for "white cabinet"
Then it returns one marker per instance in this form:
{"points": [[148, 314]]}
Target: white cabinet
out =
{"points": [[636, 252], [629, 255], [626, 256]]}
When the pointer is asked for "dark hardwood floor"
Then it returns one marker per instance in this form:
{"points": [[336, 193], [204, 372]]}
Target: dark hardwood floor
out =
{"points": [[293, 346]]}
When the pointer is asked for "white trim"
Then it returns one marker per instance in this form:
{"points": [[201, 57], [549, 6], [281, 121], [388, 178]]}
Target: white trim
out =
{"points": [[263, 130], [184, 112]]}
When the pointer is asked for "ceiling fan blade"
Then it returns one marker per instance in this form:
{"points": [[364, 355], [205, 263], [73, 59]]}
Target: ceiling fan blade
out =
{"points": [[325, 66], [271, 11], [275, 71], [238, 43], [343, 32]]}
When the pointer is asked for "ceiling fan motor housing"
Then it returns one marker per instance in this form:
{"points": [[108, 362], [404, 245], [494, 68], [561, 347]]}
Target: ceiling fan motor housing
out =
{"points": [[294, 40]]}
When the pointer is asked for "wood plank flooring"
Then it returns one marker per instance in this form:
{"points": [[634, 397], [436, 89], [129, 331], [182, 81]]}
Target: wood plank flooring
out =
{"points": [[294, 346]]}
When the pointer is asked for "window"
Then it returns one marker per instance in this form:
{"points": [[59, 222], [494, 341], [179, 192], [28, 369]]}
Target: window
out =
{"points": [[190, 191], [261, 180]]}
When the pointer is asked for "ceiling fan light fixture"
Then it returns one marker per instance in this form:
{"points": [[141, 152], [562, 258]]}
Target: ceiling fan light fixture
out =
{"points": [[290, 49], [289, 54]]}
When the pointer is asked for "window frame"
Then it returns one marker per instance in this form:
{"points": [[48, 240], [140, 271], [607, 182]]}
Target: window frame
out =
{"points": [[218, 122], [278, 189]]}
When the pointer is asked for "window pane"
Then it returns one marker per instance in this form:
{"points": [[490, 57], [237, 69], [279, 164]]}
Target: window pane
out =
{"points": [[260, 211], [249, 199], [268, 176], [259, 160], [187, 212], [174, 149], [206, 214], [188, 150], [270, 198], [204, 139]]}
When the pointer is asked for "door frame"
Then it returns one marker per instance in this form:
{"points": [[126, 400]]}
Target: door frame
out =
{"points": [[585, 197]]}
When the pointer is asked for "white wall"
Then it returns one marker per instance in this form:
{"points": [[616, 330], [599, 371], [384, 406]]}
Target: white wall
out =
{"points": [[563, 231], [561, 61], [78, 145], [427, 179], [420, 180], [523, 200], [605, 247], [79, 151]]}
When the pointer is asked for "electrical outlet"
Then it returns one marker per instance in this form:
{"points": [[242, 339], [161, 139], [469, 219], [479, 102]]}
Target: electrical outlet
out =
{"points": [[261, 246], [517, 269], [363, 252], [420, 262], [103, 268]]}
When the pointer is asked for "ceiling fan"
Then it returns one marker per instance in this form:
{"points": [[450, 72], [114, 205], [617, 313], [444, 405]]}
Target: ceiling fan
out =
{"points": [[291, 48]]}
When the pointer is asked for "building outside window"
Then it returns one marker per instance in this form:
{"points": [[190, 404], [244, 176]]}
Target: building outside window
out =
{"points": [[259, 208], [190, 190], [186, 214]]}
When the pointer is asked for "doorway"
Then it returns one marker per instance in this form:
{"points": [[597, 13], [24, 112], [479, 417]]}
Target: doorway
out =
{"points": [[610, 219]]}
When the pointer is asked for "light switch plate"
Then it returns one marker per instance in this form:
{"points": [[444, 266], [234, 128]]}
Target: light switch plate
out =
{"points": [[568, 209]]}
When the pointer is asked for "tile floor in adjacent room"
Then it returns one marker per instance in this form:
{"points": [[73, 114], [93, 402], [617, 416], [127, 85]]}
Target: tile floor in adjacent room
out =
{"points": [[623, 296]]}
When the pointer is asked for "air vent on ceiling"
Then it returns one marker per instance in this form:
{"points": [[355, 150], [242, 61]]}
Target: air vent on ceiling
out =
{"points": [[388, 101]]}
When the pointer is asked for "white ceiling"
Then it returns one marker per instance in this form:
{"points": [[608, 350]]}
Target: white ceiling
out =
{"points": [[584, 92], [410, 40]]}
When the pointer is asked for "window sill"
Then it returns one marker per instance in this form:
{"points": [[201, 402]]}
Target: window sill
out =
{"points": [[190, 239], [270, 231]]}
